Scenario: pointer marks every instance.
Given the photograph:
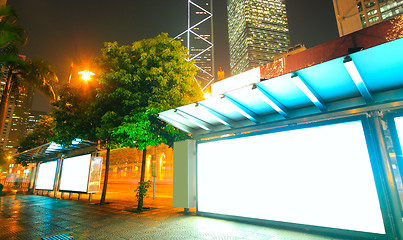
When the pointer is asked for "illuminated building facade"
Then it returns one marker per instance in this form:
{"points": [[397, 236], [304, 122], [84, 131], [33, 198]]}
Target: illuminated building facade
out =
{"points": [[198, 39], [353, 15], [16, 120], [125, 164], [33, 118], [258, 31]]}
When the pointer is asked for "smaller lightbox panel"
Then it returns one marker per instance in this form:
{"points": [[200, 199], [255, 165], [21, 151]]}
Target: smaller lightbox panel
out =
{"points": [[74, 174], [46, 176]]}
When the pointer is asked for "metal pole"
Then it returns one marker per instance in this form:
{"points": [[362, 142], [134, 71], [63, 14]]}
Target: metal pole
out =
{"points": [[212, 40], [155, 165]]}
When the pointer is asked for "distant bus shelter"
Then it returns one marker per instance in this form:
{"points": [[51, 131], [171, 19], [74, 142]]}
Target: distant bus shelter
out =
{"points": [[73, 169], [311, 141]]}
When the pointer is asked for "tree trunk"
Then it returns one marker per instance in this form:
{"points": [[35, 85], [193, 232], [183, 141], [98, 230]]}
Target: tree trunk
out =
{"points": [[108, 150], [4, 100], [142, 175]]}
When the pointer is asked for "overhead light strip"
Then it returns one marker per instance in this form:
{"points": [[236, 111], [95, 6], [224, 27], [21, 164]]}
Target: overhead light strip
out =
{"points": [[309, 92], [265, 96], [246, 112], [174, 123], [193, 119], [357, 79], [218, 116]]}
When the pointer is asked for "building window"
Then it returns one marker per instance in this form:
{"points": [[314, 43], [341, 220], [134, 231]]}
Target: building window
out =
{"points": [[373, 19], [359, 6], [363, 22], [372, 12], [387, 14], [369, 5]]}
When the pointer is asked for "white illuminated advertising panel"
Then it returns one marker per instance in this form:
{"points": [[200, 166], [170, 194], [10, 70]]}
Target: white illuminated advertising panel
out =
{"points": [[46, 176], [319, 176], [399, 128], [74, 174], [237, 81]]}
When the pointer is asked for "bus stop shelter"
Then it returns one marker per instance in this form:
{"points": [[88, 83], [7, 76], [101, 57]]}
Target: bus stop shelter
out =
{"points": [[73, 168], [311, 141]]}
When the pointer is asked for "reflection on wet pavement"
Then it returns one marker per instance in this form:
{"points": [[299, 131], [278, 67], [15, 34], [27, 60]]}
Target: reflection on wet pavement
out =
{"points": [[36, 217]]}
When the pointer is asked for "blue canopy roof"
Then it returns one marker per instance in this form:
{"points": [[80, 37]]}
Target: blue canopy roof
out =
{"points": [[368, 77]]}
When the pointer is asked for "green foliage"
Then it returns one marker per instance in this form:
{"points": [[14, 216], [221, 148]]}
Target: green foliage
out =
{"points": [[35, 73], [18, 72], [1, 187], [10, 32], [40, 75], [135, 83], [41, 134], [72, 115], [141, 192], [138, 81]]}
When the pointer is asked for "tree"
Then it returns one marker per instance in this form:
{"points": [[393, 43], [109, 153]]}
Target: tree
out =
{"points": [[11, 34], [17, 70], [71, 116], [135, 82], [144, 129], [138, 81], [41, 134], [32, 72], [74, 118]]}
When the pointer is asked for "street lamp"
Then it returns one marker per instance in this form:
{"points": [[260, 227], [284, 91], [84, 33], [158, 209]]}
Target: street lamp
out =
{"points": [[86, 75]]}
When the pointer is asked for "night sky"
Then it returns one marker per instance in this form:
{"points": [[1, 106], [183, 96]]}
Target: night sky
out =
{"points": [[63, 32]]}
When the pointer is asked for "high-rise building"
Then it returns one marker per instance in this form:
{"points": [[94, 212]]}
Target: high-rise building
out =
{"points": [[16, 119], [257, 31], [198, 39], [353, 15], [33, 118]]}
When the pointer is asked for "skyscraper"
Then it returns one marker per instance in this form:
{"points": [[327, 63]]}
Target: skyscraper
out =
{"points": [[198, 39], [257, 31], [16, 119], [353, 15]]}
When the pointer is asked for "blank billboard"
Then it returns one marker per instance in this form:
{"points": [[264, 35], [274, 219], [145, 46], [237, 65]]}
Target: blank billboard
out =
{"points": [[46, 176], [74, 174], [319, 176], [399, 129]]}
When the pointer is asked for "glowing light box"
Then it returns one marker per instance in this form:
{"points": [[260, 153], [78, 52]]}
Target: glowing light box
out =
{"points": [[399, 129], [46, 176], [74, 174], [319, 176]]}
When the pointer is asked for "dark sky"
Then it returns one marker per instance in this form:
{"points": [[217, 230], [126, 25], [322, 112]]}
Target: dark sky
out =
{"points": [[65, 31]]}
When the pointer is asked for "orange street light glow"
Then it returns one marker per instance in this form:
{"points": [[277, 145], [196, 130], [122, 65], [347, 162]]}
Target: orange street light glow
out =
{"points": [[86, 75]]}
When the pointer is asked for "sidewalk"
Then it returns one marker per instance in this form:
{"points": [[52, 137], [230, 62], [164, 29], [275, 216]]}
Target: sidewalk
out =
{"points": [[35, 217]]}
